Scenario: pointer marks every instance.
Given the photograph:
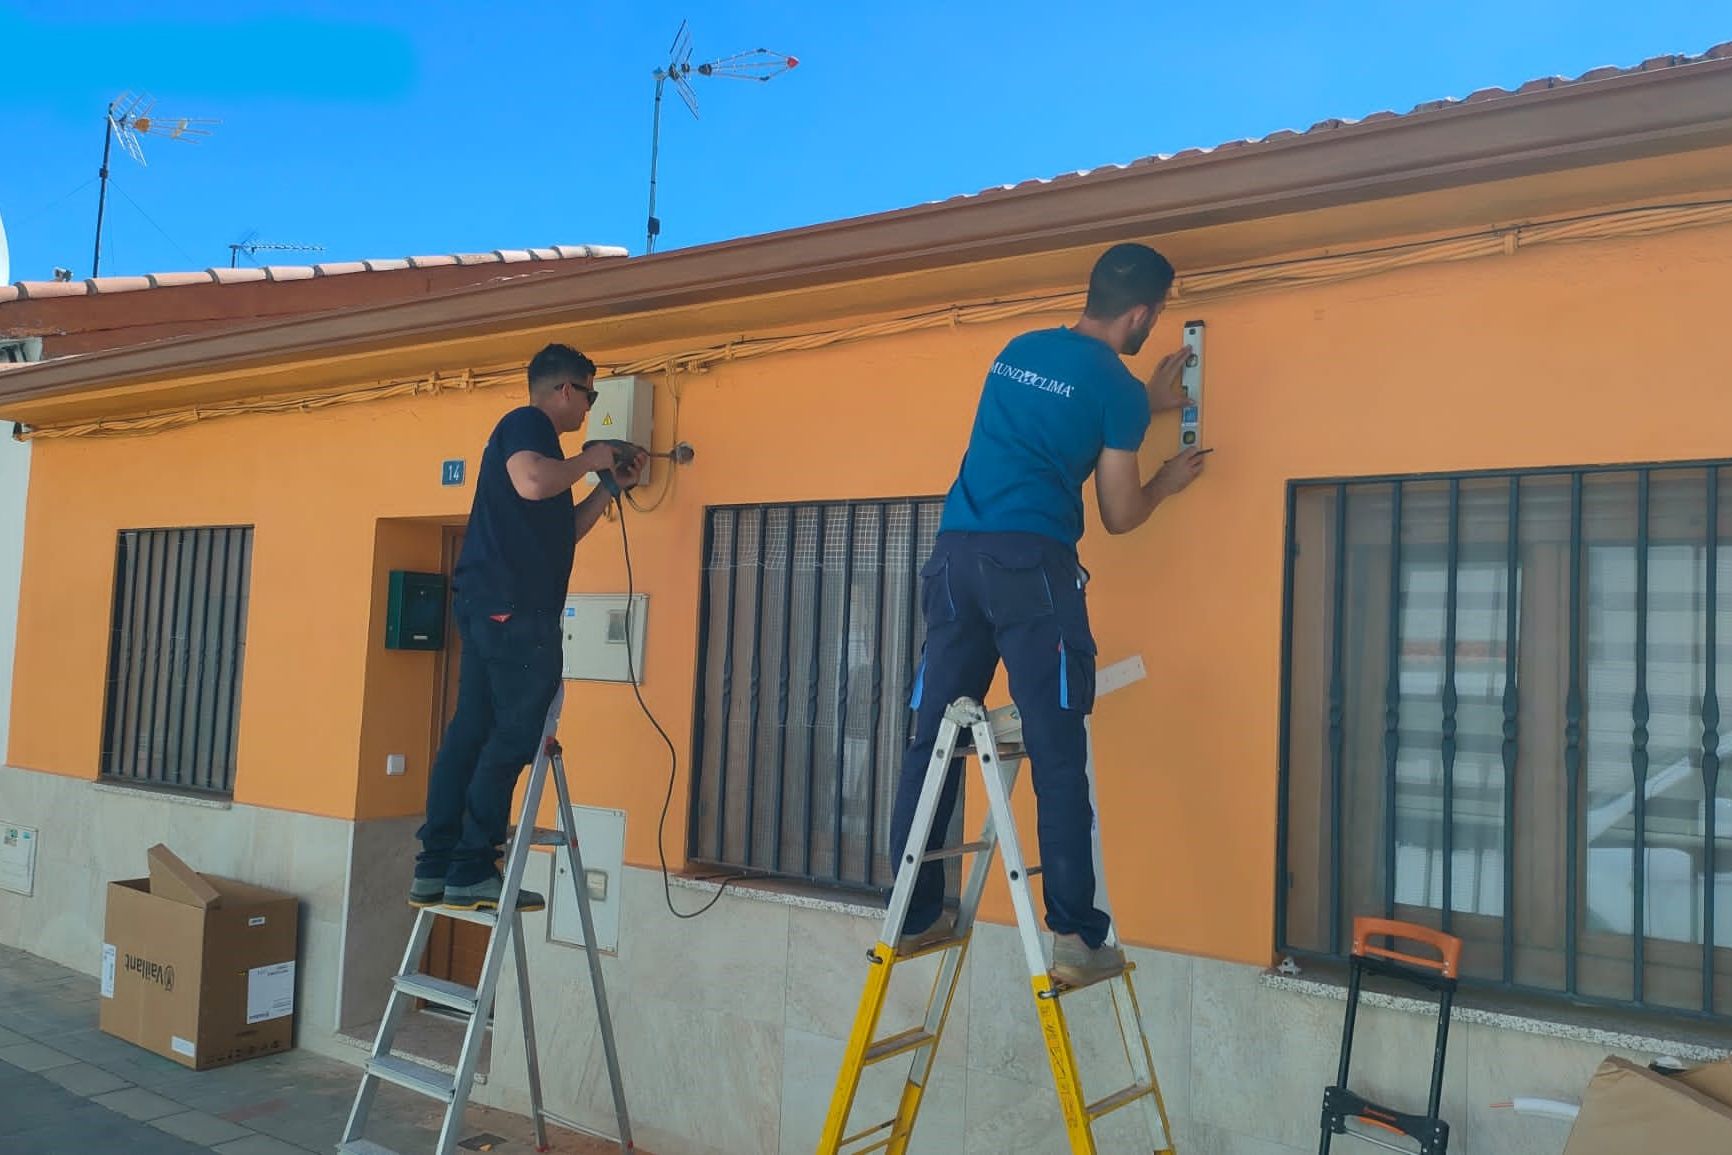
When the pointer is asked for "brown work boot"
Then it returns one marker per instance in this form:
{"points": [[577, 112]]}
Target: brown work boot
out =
{"points": [[944, 928], [1075, 964]]}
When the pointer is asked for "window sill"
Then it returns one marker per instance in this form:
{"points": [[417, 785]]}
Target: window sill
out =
{"points": [[1614, 1030], [164, 794], [784, 892]]}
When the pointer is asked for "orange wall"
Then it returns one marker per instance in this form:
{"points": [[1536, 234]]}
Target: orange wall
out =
{"points": [[1611, 351]]}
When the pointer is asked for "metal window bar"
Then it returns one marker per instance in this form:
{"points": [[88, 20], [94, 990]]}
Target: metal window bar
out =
{"points": [[173, 692], [1654, 515], [1710, 733], [853, 565]]}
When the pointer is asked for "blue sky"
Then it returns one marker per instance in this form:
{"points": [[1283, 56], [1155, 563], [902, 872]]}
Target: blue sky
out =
{"points": [[386, 129]]}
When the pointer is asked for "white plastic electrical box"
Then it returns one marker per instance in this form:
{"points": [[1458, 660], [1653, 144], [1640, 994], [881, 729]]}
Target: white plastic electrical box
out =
{"points": [[600, 645], [601, 841], [623, 410]]}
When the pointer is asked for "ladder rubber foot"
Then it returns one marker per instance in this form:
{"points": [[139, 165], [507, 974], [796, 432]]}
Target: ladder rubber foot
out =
{"points": [[447, 994], [413, 1076], [890, 1046]]}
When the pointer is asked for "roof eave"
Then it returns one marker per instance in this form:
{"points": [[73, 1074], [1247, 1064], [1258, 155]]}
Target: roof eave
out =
{"points": [[1579, 125]]}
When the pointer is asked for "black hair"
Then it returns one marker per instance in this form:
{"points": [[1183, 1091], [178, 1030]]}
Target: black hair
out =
{"points": [[555, 364], [1124, 277]]}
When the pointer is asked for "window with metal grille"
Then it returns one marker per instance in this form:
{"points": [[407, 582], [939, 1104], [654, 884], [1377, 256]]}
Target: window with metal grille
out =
{"points": [[1501, 717], [809, 635], [177, 639]]}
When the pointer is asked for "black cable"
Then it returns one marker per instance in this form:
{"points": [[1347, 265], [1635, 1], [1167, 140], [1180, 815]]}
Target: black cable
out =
{"points": [[673, 754]]}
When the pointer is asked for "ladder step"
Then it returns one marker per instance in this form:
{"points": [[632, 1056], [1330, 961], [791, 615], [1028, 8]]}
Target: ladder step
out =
{"points": [[956, 851], [363, 1147], [541, 836], [1119, 1099], [417, 1077], [484, 917], [1031, 871], [447, 994], [899, 1044], [887, 1125]]}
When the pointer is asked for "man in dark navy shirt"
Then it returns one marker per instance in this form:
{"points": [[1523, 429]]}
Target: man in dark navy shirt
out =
{"points": [[1004, 581], [508, 590]]}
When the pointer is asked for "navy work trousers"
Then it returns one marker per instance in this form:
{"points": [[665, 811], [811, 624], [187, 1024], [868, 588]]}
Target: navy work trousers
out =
{"points": [[1020, 598], [509, 674]]}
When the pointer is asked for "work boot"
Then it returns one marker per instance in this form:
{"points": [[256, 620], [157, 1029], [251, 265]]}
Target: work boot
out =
{"points": [[484, 895], [1076, 964], [944, 928], [426, 892]]}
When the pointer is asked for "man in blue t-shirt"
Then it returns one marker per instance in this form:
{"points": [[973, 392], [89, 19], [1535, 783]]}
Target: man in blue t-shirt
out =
{"points": [[508, 589], [1004, 580]]}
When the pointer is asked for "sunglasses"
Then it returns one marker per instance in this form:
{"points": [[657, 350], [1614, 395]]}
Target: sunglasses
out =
{"points": [[588, 391]]}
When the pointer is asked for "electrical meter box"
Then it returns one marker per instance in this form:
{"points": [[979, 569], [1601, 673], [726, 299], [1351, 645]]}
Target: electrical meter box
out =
{"points": [[622, 411]]}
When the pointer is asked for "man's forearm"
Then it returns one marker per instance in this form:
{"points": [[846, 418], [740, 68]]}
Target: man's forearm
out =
{"points": [[590, 509]]}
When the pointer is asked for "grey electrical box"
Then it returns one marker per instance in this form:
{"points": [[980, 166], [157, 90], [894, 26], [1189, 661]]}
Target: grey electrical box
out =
{"points": [[601, 644], [623, 410]]}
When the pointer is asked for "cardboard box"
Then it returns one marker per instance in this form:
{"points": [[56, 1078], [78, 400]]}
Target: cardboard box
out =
{"points": [[197, 968], [1628, 1108]]}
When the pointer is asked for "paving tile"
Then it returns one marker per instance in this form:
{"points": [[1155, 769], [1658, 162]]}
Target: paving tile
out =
{"points": [[137, 1103], [35, 1057], [260, 1145], [198, 1127], [84, 1079], [9, 1039]]}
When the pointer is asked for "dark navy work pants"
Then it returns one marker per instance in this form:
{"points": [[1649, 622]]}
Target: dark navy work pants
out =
{"points": [[1019, 598], [508, 676]]}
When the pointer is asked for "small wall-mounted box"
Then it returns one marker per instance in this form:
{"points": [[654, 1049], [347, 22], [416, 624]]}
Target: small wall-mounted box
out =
{"points": [[601, 645], [622, 411], [415, 611]]}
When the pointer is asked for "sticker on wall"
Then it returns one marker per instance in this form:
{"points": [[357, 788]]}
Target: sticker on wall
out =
{"points": [[17, 859]]}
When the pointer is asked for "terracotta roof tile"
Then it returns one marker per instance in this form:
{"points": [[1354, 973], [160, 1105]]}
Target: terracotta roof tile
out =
{"points": [[1540, 84], [96, 286]]}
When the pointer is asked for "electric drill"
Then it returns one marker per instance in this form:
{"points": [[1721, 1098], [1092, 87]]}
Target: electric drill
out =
{"points": [[623, 453]]}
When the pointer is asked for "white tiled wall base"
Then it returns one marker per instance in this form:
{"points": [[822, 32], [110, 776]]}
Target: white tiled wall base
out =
{"points": [[731, 1025]]}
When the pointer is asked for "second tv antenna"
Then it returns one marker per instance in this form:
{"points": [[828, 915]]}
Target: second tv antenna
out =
{"points": [[757, 64]]}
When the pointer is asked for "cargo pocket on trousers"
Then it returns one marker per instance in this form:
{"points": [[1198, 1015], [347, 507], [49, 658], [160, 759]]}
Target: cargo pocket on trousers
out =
{"points": [[937, 607], [1014, 587], [1076, 670]]}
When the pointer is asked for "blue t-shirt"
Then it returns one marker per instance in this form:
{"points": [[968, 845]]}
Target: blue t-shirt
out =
{"points": [[516, 553], [1053, 400]]}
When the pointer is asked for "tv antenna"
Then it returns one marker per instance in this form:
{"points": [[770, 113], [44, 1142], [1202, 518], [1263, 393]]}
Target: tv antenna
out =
{"points": [[130, 117], [757, 64], [249, 245]]}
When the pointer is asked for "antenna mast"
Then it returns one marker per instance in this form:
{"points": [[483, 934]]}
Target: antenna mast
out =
{"points": [[757, 64]]}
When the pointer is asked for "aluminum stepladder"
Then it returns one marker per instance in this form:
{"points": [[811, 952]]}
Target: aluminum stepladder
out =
{"points": [[507, 934], [996, 738]]}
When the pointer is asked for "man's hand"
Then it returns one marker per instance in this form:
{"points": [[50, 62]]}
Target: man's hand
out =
{"points": [[627, 475], [596, 456], [1165, 392], [1178, 472]]}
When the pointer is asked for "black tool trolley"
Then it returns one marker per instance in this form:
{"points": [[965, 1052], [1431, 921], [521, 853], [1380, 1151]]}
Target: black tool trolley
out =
{"points": [[1440, 974]]}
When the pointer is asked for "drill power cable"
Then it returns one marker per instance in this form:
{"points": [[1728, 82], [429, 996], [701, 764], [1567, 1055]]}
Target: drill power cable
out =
{"points": [[673, 754]]}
